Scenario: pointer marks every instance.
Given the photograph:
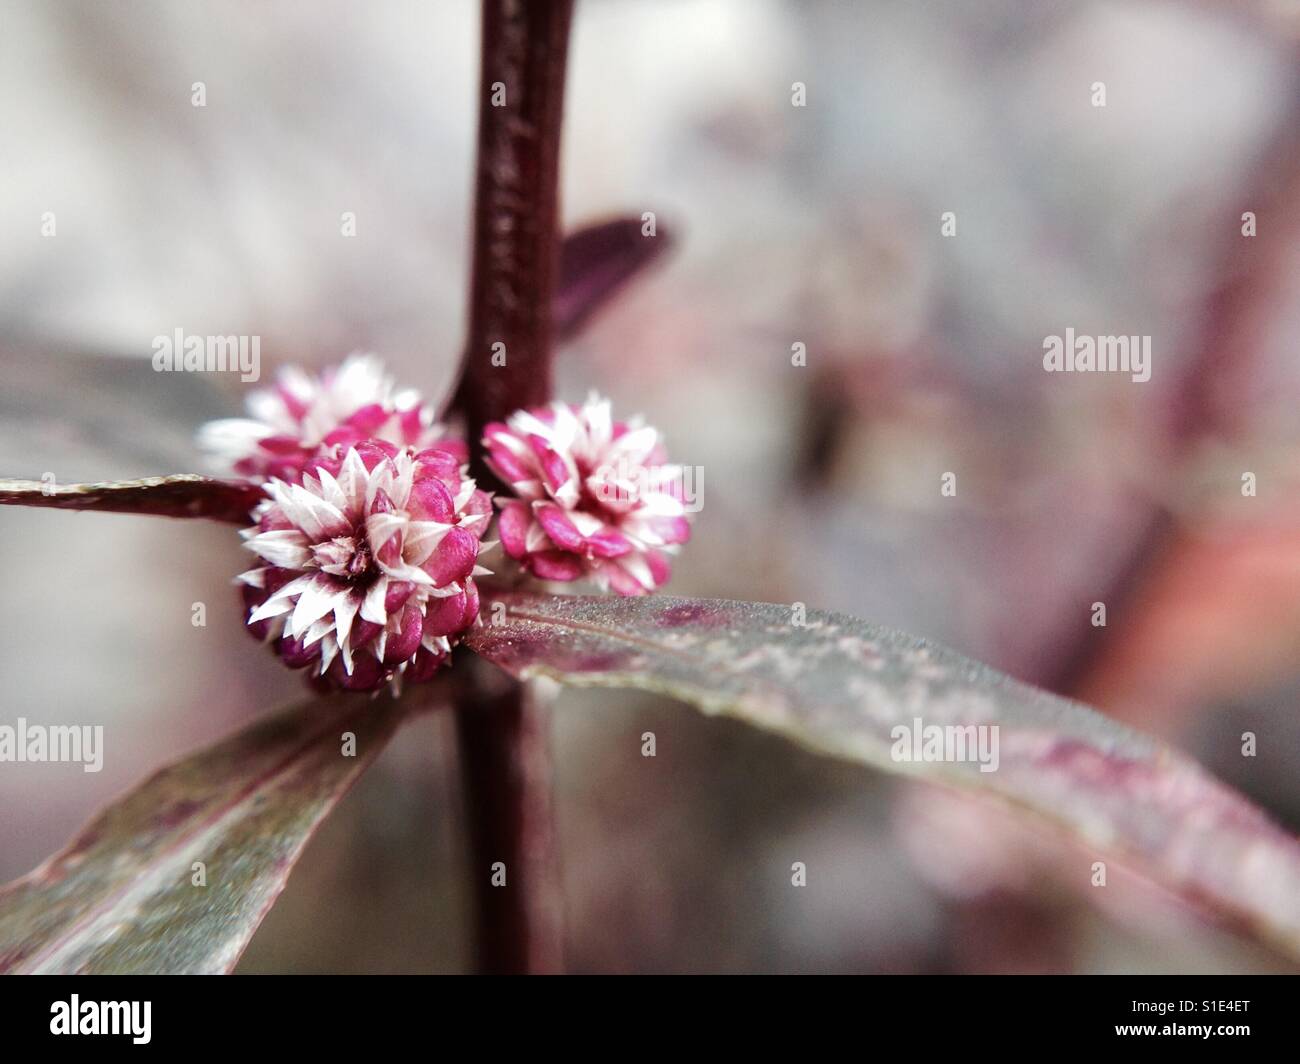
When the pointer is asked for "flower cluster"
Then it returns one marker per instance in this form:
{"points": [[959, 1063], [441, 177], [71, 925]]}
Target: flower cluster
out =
{"points": [[367, 565], [369, 538], [596, 498], [292, 421]]}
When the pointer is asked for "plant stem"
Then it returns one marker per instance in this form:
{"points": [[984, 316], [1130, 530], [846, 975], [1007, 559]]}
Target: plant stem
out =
{"points": [[505, 763], [505, 768], [516, 210]]}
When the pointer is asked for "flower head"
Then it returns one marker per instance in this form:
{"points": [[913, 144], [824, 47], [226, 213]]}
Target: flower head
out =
{"points": [[595, 498], [367, 564], [291, 421]]}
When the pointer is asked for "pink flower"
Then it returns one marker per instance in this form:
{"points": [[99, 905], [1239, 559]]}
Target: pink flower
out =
{"points": [[366, 566], [301, 414], [595, 497]]}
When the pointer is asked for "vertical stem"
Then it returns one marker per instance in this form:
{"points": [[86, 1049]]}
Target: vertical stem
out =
{"points": [[516, 210], [505, 767], [505, 763]]}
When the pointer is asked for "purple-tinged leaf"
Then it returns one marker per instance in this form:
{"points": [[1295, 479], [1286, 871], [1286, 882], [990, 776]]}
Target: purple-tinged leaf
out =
{"points": [[122, 897], [840, 686], [183, 495], [595, 263]]}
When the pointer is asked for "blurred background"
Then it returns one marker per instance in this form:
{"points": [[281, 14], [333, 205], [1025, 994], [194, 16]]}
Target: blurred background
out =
{"points": [[817, 225]]}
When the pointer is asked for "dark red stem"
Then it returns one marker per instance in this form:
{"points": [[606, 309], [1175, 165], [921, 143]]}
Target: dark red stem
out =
{"points": [[516, 210], [184, 495], [505, 768], [505, 764]]}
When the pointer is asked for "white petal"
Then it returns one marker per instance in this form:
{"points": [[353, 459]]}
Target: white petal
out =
{"points": [[421, 538], [286, 548], [599, 422], [352, 480], [566, 429], [345, 609], [315, 516], [526, 424], [283, 600], [253, 578], [372, 608], [316, 600], [232, 438], [435, 643], [531, 490], [536, 539], [328, 649], [657, 504], [331, 492], [270, 608], [586, 524], [467, 487], [318, 631], [635, 446], [380, 528], [400, 493], [359, 381], [402, 571], [381, 479], [637, 566]]}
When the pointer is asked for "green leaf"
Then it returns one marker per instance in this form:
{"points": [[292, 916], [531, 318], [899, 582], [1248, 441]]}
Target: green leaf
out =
{"points": [[121, 898], [840, 686]]}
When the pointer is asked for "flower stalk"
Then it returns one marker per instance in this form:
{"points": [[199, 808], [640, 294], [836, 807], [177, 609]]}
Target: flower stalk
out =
{"points": [[505, 764]]}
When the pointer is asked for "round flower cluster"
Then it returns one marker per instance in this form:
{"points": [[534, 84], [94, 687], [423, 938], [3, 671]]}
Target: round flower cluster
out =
{"points": [[344, 406], [596, 498], [366, 566]]}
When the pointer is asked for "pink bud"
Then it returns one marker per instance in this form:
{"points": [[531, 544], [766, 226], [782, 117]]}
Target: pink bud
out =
{"points": [[405, 640]]}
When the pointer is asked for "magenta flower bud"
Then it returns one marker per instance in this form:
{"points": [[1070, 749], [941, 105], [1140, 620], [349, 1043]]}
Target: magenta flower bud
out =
{"points": [[440, 462], [453, 560], [360, 574], [366, 675], [295, 655], [594, 498], [453, 614], [404, 639], [364, 631], [425, 663], [432, 500]]}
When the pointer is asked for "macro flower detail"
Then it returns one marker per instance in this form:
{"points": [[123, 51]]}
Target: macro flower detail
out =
{"points": [[366, 566], [596, 498], [302, 413]]}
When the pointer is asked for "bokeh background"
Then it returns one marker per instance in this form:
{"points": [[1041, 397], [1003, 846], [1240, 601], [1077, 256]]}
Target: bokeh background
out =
{"points": [[817, 225]]}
